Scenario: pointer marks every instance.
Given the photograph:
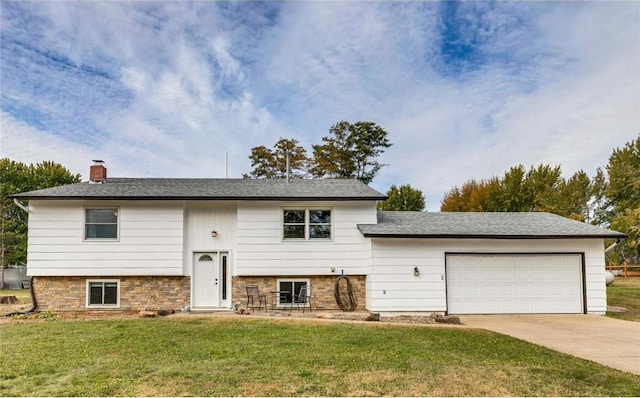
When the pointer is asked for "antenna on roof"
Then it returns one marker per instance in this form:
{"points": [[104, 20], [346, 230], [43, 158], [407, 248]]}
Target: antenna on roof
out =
{"points": [[226, 165], [288, 166]]}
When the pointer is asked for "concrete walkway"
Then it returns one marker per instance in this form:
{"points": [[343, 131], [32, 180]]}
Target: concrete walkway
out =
{"points": [[608, 341]]}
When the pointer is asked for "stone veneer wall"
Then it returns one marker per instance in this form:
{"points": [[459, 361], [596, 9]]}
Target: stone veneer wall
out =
{"points": [[322, 287], [69, 293]]}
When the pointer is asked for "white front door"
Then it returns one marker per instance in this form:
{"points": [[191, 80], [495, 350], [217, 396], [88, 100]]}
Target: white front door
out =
{"points": [[206, 281]]}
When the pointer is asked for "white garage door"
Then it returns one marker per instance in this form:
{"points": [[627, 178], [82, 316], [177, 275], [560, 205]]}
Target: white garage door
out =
{"points": [[514, 284]]}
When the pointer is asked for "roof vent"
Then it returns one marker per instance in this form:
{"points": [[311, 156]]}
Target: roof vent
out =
{"points": [[97, 172]]}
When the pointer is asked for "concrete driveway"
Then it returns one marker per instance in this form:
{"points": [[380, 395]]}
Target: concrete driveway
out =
{"points": [[608, 341]]}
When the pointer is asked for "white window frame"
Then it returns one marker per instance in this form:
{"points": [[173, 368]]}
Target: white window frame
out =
{"points": [[292, 280], [88, 293], [84, 224], [307, 224]]}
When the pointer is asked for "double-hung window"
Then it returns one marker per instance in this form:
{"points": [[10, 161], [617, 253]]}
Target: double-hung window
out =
{"points": [[103, 293], [306, 224], [101, 224]]}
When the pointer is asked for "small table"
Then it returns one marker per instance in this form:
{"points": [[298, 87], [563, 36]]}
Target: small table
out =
{"points": [[276, 296]]}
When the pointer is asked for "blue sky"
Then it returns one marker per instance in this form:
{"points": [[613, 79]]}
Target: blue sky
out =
{"points": [[465, 89]]}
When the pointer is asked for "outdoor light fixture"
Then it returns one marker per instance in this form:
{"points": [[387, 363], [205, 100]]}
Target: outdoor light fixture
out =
{"points": [[214, 234], [416, 271]]}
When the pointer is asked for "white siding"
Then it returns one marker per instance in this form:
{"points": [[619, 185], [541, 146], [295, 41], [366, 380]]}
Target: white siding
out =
{"points": [[392, 287], [262, 251], [149, 240], [200, 219]]}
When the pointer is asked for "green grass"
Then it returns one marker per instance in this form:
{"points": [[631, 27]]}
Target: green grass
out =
{"points": [[225, 356], [22, 294], [625, 292], [24, 301]]}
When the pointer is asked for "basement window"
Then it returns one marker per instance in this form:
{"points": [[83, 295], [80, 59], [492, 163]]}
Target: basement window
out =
{"points": [[101, 224], [290, 290], [103, 293]]}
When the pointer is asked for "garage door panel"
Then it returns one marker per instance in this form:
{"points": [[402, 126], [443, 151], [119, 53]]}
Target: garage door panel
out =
{"points": [[490, 284]]}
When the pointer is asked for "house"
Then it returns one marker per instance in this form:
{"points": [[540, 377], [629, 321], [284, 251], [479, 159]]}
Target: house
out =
{"points": [[157, 243]]}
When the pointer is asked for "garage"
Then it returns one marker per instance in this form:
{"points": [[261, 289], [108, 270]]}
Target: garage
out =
{"points": [[486, 263], [514, 283]]}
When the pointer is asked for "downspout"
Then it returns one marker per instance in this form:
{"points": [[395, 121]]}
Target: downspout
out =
{"points": [[34, 304], [20, 205], [612, 246]]}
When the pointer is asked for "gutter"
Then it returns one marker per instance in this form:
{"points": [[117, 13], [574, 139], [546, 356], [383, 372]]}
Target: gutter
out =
{"points": [[216, 198], [20, 205], [492, 236]]}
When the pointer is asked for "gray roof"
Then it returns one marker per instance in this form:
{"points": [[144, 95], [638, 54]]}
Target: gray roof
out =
{"points": [[210, 189], [411, 224]]}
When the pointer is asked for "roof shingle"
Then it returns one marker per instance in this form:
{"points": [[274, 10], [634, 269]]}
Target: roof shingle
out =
{"points": [[211, 189], [410, 224]]}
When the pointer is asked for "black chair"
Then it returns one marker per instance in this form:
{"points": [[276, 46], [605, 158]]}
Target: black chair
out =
{"points": [[303, 297], [253, 295]]}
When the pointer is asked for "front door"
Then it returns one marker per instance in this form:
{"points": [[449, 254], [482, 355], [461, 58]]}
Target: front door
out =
{"points": [[206, 280]]}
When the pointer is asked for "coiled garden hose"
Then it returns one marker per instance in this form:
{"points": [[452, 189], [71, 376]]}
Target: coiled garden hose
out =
{"points": [[344, 294]]}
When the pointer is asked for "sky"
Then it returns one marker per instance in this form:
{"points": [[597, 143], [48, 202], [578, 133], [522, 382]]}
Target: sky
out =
{"points": [[464, 89]]}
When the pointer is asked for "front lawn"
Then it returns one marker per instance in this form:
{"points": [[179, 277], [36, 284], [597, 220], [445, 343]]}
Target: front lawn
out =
{"points": [[625, 292], [189, 355], [22, 295]]}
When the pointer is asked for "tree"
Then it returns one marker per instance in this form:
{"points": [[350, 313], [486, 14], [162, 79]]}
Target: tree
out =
{"points": [[542, 184], [623, 189], [541, 188], [269, 163], [598, 212], [610, 199], [350, 151], [472, 196], [622, 206], [629, 249], [515, 194], [573, 196], [16, 177], [403, 198]]}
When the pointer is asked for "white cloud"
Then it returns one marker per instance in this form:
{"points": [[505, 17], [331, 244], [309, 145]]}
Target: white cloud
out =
{"points": [[22, 142], [164, 89]]}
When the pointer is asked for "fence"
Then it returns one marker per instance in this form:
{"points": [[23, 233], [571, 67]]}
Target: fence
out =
{"points": [[624, 270], [13, 277]]}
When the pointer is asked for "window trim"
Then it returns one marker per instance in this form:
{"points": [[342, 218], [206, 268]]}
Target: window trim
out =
{"points": [[307, 224], [103, 281], [293, 280], [84, 224]]}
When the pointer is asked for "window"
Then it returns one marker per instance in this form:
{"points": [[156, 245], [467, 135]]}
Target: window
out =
{"points": [[101, 224], [307, 224], [294, 224], [103, 293], [290, 290], [225, 275], [319, 224]]}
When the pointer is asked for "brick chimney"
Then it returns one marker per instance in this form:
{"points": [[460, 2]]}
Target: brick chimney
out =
{"points": [[97, 172]]}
